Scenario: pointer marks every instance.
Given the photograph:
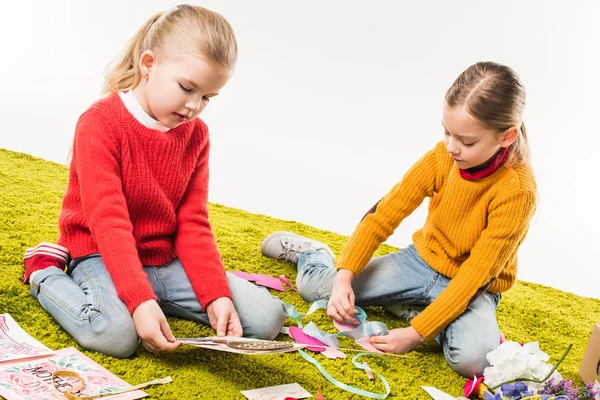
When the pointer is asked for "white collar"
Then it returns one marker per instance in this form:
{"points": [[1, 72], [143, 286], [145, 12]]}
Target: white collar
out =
{"points": [[138, 112]]}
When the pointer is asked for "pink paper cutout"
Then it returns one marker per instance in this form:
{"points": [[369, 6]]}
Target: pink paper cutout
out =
{"points": [[365, 344], [268, 281], [320, 396], [286, 282], [333, 353], [344, 326], [243, 275], [300, 337]]}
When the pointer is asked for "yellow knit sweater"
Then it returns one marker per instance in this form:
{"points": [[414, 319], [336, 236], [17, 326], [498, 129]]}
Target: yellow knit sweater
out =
{"points": [[471, 235]]}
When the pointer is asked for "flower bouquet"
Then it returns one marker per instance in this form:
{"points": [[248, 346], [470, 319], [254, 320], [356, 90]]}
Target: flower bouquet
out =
{"points": [[520, 372]]}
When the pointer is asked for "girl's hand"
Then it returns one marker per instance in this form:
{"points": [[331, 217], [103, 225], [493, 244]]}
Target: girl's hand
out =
{"points": [[341, 303], [152, 327], [399, 341], [223, 317]]}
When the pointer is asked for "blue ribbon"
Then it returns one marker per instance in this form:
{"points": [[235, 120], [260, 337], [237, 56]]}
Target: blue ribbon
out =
{"points": [[349, 388], [331, 339]]}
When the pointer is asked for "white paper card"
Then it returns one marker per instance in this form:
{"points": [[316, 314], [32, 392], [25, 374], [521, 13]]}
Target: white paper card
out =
{"points": [[15, 343], [437, 394], [277, 392]]}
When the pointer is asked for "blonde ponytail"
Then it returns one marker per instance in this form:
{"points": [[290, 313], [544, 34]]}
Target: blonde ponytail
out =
{"points": [[124, 73], [184, 29]]}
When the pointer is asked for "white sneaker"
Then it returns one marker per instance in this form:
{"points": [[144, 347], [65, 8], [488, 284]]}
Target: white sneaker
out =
{"points": [[288, 246]]}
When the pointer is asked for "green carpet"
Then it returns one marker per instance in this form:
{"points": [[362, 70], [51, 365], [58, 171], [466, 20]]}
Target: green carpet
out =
{"points": [[31, 191]]}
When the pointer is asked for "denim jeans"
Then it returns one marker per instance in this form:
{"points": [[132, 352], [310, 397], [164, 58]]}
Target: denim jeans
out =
{"points": [[403, 278], [85, 303]]}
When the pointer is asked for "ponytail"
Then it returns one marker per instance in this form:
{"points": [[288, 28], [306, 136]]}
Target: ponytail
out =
{"points": [[124, 73], [519, 153]]}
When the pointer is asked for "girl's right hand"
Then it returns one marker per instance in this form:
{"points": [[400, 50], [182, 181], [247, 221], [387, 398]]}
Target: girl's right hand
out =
{"points": [[341, 303], [152, 327]]}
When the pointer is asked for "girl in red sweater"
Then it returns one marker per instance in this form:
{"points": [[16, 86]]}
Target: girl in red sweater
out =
{"points": [[134, 216]]}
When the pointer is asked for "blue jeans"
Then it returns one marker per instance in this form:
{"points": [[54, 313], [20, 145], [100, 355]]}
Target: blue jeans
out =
{"points": [[85, 303], [403, 278]]}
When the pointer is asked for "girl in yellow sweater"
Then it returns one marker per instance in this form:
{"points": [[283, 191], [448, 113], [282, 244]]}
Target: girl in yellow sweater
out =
{"points": [[482, 195]]}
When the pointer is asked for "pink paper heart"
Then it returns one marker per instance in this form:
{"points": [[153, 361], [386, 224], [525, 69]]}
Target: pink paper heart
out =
{"points": [[302, 338]]}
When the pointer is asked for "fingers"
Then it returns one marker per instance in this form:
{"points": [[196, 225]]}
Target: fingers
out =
{"points": [[234, 327], [167, 341], [342, 311], [381, 343], [221, 325]]}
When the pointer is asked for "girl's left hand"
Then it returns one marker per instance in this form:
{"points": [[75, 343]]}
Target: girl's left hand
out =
{"points": [[399, 341], [223, 317]]}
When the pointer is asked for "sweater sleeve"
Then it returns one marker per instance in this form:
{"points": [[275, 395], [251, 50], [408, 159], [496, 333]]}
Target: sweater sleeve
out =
{"points": [[508, 222], [385, 217], [194, 240], [97, 159]]}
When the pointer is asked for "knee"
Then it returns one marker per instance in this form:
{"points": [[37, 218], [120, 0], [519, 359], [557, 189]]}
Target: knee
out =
{"points": [[267, 322], [114, 337], [468, 358]]}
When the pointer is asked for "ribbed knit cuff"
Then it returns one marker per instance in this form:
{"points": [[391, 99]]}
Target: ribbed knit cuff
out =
{"points": [[136, 296], [213, 293]]}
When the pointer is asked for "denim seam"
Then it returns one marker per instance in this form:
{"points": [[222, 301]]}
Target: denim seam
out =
{"points": [[430, 286], [160, 283], [59, 303], [96, 291]]}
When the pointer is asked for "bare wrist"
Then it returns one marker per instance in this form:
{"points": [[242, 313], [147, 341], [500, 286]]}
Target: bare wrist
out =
{"points": [[345, 276]]}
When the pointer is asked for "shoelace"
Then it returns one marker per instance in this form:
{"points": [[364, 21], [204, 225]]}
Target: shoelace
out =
{"points": [[292, 253]]}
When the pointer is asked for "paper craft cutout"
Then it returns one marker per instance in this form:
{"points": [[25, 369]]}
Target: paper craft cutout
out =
{"points": [[30, 379], [286, 282], [260, 279], [243, 275], [241, 345], [333, 353], [16, 344], [366, 344], [280, 392], [345, 326], [437, 394], [268, 281], [299, 336]]}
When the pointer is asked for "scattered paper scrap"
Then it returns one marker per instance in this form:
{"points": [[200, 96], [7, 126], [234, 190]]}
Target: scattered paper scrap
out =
{"points": [[15, 343], [280, 392], [261, 280], [437, 394], [268, 281], [287, 282]]}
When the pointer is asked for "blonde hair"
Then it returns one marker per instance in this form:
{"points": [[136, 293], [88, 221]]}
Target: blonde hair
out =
{"points": [[190, 29], [493, 94]]}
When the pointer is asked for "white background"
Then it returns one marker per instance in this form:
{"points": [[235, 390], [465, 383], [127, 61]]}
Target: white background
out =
{"points": [[332, 101]]}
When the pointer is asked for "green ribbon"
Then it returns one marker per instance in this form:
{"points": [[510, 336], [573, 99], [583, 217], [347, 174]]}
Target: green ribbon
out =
{"points": [[364, 329]]}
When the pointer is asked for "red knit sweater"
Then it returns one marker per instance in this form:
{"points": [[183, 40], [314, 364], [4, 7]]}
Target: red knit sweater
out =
{"points": [[139, 197]]}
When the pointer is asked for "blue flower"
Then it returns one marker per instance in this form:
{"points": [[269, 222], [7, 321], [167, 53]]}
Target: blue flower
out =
{"points": [[489, 396], [516, 391]]}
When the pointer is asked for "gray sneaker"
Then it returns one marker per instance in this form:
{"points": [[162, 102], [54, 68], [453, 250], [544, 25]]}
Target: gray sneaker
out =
{"points": [[288, 246]]}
